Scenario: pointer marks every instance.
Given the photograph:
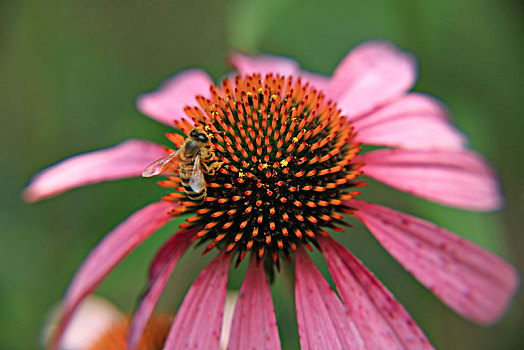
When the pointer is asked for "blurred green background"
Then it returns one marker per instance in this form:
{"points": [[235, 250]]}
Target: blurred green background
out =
{"points": [[70, 71]]}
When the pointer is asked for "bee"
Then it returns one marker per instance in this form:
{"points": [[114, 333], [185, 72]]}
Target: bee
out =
{"points": [[195, 156]]}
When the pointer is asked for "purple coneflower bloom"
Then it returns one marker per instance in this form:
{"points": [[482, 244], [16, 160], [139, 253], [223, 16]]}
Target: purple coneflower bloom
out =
{"points": [[288, 143]]}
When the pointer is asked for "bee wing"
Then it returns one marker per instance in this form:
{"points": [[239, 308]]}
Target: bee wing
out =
{"points": [[196, 181], [160, 165]]}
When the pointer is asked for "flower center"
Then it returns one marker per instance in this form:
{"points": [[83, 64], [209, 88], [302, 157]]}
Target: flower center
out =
{"points": [[281, 169]]}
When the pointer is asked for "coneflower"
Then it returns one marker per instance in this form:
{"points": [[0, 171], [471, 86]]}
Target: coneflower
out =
{"points": [[99, 325], [287, 167], [288, 147]]}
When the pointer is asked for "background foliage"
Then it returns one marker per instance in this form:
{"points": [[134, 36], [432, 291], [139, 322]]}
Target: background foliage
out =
{"points": [[70, 71]]}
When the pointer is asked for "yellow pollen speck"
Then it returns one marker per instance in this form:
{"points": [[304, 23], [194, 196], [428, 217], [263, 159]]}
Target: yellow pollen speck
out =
{"points": [[265, 165], [273, 97], [284, 162], [260, 90], [295, 139], [241, 173]]}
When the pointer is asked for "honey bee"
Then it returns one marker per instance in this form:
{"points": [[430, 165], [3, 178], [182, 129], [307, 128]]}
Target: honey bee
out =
{"points": [[195, 156]]}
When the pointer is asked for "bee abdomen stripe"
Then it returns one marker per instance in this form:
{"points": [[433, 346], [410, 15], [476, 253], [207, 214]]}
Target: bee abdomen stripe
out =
{"points": [[196, 196]]}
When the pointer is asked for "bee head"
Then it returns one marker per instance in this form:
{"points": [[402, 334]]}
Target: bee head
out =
{"points": [[199, 135]]}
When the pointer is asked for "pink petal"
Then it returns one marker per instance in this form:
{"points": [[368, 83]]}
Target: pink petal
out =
{"points": [[371, 75], [199, 319], [166, 104], [318, 81], [323, 321], [254, 323], [458, 179], [263, 64], [380, 319], [108, 253], [414, 121], [127, 159], [161, 268], [470, 280], [247, 64]]}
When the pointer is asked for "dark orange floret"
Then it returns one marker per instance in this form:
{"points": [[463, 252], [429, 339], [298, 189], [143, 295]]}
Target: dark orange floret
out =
{"points": [[153, 338], [287, 164]]}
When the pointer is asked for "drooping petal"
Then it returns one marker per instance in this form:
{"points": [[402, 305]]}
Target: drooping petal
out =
{"points": [[198, 321], [371, 75], [414, 121], [127, 159], [254, 323], [459, 179], [227, 319], [166, 104], [161, 268], [263, 64], [323, 321], [109, 252], [470, 280], [382, 322]]}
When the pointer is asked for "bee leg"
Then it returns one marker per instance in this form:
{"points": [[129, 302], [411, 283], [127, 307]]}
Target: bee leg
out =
{"points": [[212, 168]]}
